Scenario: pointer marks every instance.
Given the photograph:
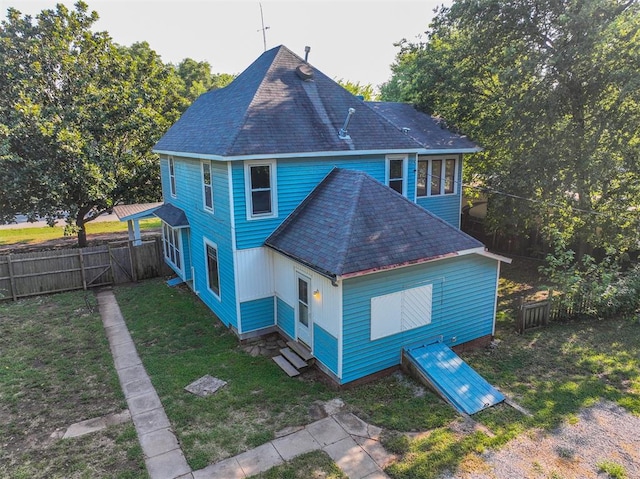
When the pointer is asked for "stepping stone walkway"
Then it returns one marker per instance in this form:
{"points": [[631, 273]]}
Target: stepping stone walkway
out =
{"points": [[352, 443]]}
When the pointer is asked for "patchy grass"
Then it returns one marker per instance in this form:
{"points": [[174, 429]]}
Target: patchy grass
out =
{"points": [[47, 233], [55, 370], [553, 372], [182, 341], [315, 465]]}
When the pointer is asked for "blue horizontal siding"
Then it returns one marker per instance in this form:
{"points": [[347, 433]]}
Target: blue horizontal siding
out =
{"points": [[446, 207], [286, 318], [216, 227], [296, 178], [325, 348], [463, 297], [257, 314]]}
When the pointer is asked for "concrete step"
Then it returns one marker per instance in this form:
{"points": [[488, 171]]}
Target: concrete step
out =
{"points": [[300, 350], [286, 366], [293, 358]]}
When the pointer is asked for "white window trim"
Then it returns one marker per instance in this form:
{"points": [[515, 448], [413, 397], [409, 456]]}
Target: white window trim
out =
{"points": [[178, 247], [206, 267], [429, 159], [207, 164], [273, 176], [172, 176], [405, 170]]}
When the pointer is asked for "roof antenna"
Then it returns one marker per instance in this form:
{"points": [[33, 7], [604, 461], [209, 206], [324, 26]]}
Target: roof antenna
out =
{"points": [[263, 29], [342, 134]]}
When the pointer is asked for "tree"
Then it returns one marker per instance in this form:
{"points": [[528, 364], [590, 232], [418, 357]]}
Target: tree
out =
{"points": [[355, 88], [551, 90], [198, 79], [78, 117]]}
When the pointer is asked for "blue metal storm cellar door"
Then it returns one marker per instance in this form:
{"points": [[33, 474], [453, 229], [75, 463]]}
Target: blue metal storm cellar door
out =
{"points": [[454, 379]]}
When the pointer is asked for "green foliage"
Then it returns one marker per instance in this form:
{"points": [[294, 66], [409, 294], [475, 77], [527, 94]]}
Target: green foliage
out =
{"points": [[605, 288], [79, 115], [551, 91], [613, 469], [355, 88]]}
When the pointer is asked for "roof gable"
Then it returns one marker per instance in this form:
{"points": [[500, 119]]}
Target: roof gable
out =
{"points": [[351, 223], [269, 109]]}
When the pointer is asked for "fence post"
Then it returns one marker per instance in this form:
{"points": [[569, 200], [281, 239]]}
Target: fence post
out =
{"points": [[82, 271], [520, 316], [12, 280], [132, 261]]}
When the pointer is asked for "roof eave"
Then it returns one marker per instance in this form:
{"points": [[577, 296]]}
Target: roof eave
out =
{"points": [[315, 154]]}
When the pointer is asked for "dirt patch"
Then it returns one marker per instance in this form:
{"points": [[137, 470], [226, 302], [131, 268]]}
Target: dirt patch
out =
{"points": [[602, 433]]}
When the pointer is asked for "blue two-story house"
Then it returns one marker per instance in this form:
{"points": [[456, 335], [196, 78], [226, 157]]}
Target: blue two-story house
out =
{"points": [[291, 205]]}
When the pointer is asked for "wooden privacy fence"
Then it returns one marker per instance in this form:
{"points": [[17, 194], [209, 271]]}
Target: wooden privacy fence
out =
{"points": [[30, 274]]}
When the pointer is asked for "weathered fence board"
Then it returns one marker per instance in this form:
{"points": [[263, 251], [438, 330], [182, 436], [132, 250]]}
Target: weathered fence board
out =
{"points": [[30, 274]]}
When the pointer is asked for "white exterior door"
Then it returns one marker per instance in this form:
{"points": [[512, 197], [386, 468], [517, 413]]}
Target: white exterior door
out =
{"points": [[303, 310]]}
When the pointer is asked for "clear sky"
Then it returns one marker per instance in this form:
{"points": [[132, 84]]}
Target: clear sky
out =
{"points": [[351, 40]]}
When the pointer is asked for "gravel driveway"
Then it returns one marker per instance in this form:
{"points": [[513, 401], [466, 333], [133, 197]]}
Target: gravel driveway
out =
{"points": [[604, 432]]}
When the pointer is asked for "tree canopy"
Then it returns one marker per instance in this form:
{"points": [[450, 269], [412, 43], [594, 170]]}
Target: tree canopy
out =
{"points": [[551, 90], [79, 115]]}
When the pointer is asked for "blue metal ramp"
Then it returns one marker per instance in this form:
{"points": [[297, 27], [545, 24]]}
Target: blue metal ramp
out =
{"points": [[452, 378]]}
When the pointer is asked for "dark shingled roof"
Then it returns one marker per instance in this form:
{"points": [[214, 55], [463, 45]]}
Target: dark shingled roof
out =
{"points": [[429, 131], [351, 223], [172, 215], [270, 109]]}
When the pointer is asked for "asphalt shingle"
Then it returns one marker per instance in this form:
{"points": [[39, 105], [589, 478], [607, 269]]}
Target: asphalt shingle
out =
{"points": [[270, 109], [172, 215], [351, 223]]}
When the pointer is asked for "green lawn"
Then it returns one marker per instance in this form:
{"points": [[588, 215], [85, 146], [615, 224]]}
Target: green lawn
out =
{"points": [[56, 369], [46, 233], [182, 341], [553, 372]]}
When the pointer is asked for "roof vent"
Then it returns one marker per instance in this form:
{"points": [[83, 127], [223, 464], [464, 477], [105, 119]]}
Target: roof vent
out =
{"points": [[307, 49], [304, 72], [342, 134], [405, 130]]}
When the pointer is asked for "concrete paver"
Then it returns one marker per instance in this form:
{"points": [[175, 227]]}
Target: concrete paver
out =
{"points": [[229, 469], [377, 452], [260, 459], [96, 424], [295, 444], [351, 458], [158, 442], [327, 431], [169, 465], [150, 421], [134, 373], [144, 402], [137, 387]]}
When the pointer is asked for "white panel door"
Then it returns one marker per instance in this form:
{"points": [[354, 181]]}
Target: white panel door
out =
{"points": [[303, 309]]}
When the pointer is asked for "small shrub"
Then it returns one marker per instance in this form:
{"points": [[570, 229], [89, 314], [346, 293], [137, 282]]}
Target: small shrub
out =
{"points": [[613, 469]]}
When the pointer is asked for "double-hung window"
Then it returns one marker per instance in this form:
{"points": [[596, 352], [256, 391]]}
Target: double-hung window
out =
{"points": [[436, 176], [172, 176], [171, 245], [397, 173], [260, 184], [213, 270], [207, 186]]}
